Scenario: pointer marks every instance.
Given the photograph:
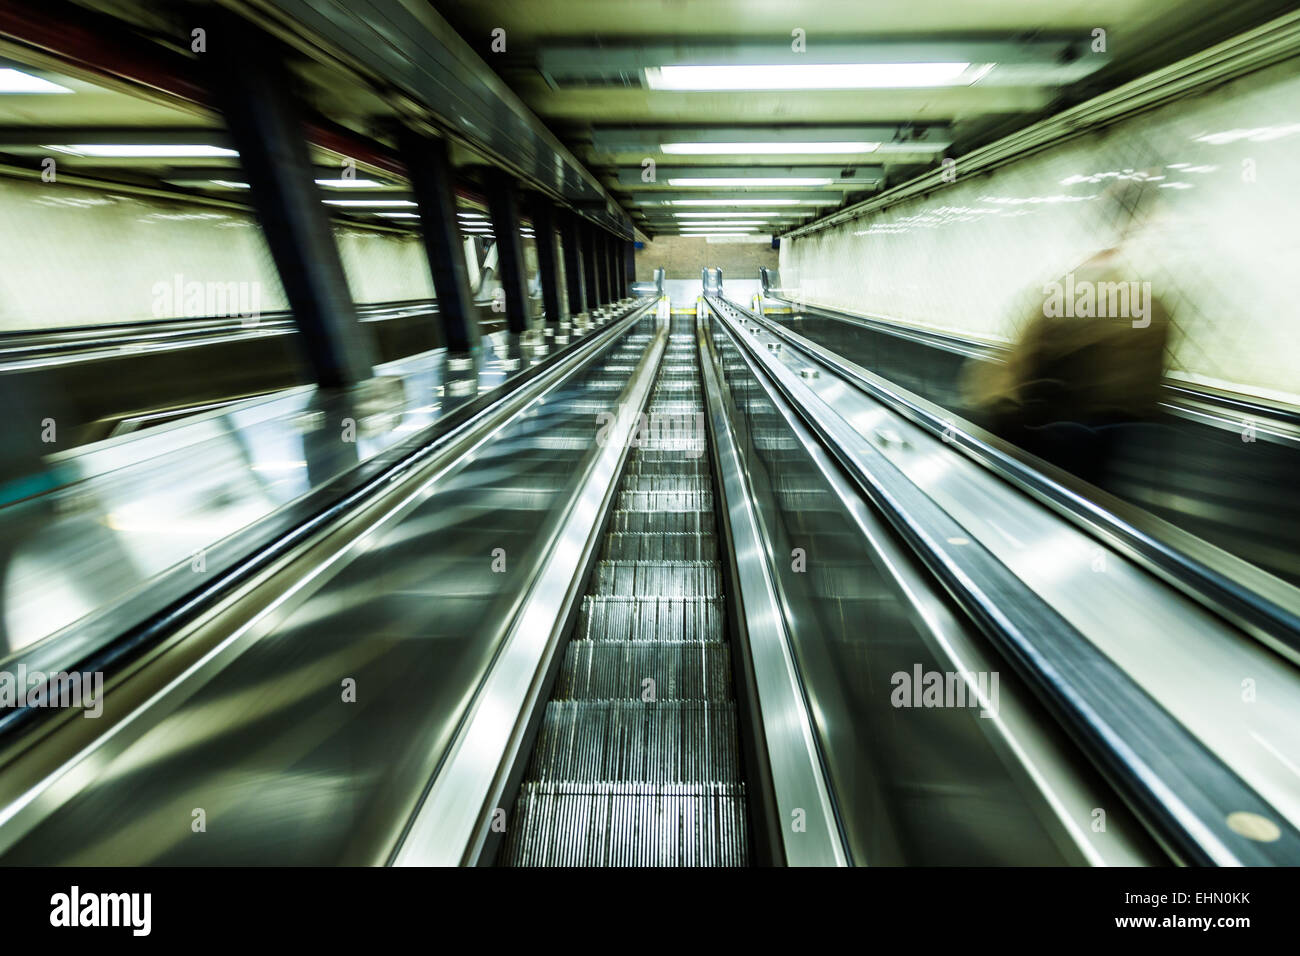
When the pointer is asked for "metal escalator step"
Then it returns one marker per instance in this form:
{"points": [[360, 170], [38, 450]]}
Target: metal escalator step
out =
{"points": [[628, 741], [682, 447], [660, 547], [613, 670], [649, 619], [666, 484], [672, 579], [689, 467], [663, 522], [665, 500], [618, 825]]}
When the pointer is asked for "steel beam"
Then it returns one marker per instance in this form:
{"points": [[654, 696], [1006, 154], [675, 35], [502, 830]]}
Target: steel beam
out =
{"points": [[589, 269], [433, 182], [248, 80], [571, 240], [503, 208], [548, 260]]}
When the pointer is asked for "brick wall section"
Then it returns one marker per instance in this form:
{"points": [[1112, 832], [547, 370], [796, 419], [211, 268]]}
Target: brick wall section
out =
{"points": [[682, 258]]}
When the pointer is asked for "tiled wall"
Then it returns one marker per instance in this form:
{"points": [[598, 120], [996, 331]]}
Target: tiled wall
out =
{"points": [[682, 257], [73, 256], [1215, 229]]}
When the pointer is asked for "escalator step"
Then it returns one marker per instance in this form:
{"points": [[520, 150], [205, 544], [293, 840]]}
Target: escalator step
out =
{"points": [[628, 741], [620, 825], [660, 547], [613, 670], [666, 500], [650, 619], [673, 579], [663, 522]]}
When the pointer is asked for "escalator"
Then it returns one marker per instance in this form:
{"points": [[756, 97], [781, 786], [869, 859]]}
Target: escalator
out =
{"points": [[680, 643], [637, 762]]}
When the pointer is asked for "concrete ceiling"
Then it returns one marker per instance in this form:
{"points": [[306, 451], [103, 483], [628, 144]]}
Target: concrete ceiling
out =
{"points": [[1141, 35]]}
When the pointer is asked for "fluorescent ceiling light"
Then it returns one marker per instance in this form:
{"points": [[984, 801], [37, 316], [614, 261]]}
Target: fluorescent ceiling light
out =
{"points": [[719, 222], [16, 81], [349, 183], [471, 215], [729, 215], [740, 149], [753, 181], [229, 184], [398, 215], [707, 235], [368, 202], [735, 202], [813, 76], [133, 151]]}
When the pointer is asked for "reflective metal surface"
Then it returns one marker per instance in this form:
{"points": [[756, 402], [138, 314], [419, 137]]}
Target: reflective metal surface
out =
{"points": [[312, 742], [128, 509], [984, 783], [462, 804], [1214, 465], [1187, 660], [637, 761], [810, 831]]}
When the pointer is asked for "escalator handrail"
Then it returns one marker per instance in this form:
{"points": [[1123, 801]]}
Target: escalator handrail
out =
{"points": [[1251, 598]]}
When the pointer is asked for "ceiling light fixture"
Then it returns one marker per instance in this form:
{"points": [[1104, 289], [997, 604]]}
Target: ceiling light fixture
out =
{"points": [[16, 81], [349, 183], [735, 202], [813, 76], [740, 149], [729, 215], [368, 202], [753, 181], [134, 151]]}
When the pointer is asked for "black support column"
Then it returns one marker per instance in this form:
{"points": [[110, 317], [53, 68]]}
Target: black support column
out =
{"points": [[620, 267], [433, 180], [252, 88], [601, 242], [570, 239], [548, 261], [629, 263], [611, 265], [589, 269], [503, 207]]}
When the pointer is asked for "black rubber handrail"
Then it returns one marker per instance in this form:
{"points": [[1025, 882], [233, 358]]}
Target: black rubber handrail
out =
{"points": [[1251, 598]]}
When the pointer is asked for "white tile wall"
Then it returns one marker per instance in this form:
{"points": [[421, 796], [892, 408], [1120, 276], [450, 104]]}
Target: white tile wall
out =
{"points": [[1218, 237], [75, 256]]}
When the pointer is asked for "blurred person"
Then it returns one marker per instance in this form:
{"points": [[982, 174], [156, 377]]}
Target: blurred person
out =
{"points": [[1090, 357]]}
